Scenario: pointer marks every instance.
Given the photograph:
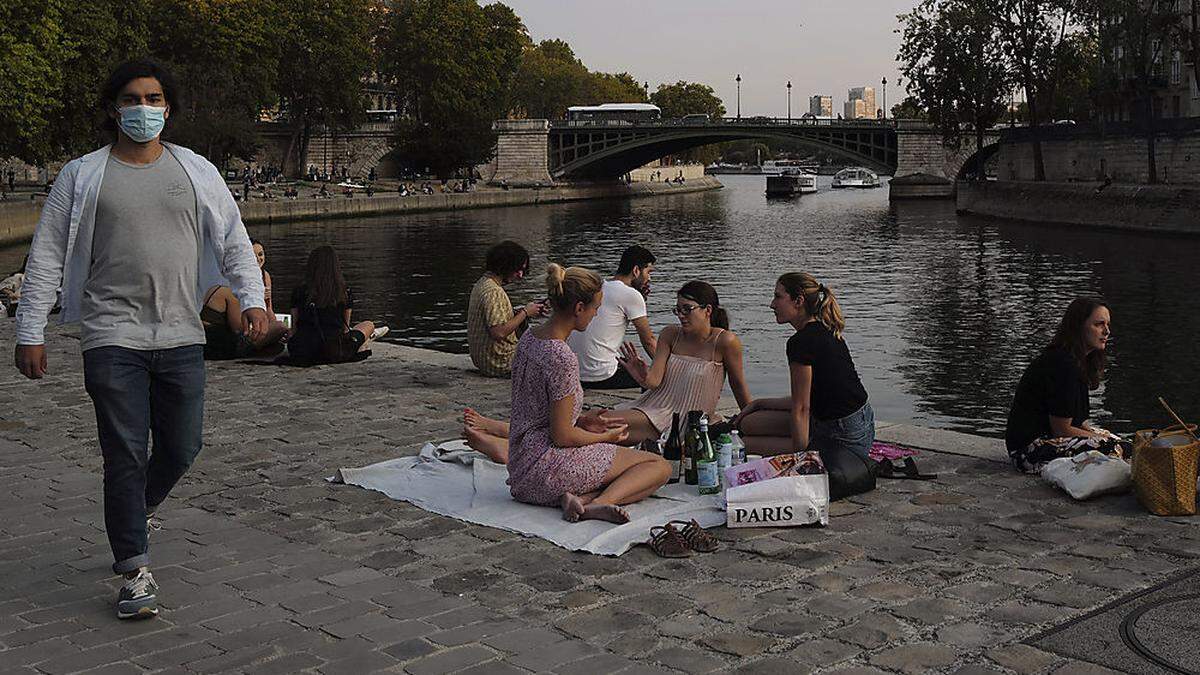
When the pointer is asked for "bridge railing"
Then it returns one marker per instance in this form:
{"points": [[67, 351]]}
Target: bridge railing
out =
{"points": [[794, 122]]}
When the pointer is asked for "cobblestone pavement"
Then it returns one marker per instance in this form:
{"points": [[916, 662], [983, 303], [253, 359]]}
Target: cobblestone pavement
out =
{"points": [[266, 568]]}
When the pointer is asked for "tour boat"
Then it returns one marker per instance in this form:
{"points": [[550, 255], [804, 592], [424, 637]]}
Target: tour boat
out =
{"points": [[790, 183], [775, 167], [856, 177]]}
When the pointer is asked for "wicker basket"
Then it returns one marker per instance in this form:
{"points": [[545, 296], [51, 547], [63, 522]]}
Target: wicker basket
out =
{"points": [[1164, 478]]}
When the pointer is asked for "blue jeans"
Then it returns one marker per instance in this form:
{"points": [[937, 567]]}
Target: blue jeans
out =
{"points": [[853, 433], [138, 395]]}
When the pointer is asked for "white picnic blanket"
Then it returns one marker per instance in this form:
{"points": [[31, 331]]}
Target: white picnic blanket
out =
{"points": [[453, 480]]}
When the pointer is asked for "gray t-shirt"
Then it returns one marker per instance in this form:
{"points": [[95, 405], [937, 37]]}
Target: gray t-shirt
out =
{"points": [[141, 288]]}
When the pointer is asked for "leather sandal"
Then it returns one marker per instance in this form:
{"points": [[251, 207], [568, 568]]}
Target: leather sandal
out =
{"points": [[695, 536], [666, 541]]}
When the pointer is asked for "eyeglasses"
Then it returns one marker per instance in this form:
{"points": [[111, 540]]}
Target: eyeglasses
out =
{"points": [[680, 310]]}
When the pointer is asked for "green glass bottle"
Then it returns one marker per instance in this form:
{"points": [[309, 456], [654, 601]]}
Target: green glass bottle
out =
{"points": [[707, 468], [691, 447]]}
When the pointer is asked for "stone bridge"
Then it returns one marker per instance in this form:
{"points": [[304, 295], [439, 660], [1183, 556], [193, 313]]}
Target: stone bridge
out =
{"points": [[540, 151]]}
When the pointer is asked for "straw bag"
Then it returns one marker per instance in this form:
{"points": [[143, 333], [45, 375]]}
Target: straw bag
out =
{"points": [[1165, 464]]}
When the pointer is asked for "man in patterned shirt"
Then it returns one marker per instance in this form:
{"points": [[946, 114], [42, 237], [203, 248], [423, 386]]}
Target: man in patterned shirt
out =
{"points": [[492, 325]]}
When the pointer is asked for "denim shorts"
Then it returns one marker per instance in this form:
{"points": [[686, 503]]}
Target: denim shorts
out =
{"points": [[853, 433]]}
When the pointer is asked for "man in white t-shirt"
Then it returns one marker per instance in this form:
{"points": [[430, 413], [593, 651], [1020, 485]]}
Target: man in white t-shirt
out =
{"points": [[624, 302]]}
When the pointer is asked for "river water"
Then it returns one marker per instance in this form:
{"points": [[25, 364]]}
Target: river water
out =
{"points": [[943, 312]]}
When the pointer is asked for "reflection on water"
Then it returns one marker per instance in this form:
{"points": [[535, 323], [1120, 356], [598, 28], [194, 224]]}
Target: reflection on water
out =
{"points": [[943, 312]]}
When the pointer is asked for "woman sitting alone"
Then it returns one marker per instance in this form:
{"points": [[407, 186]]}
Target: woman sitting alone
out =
{"points": [[1049, 412], [689, 369], [555, 456], [828, 406], [321, 308]]}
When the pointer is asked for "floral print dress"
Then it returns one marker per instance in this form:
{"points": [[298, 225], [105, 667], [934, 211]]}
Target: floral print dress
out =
{"points": [[544, 372]]}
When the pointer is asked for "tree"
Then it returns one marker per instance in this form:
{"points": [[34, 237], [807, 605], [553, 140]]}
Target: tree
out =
{"points": [[687, 98], [322, 68], [614, 88], [100, 35], [225, 56], [1140, 31], [956, 71], [452, 63], [31, 52], [1033, 35], [549, 80], [909, 109]]}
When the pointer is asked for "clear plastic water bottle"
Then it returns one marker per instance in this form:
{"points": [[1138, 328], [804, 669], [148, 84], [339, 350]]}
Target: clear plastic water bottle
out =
{"points": [[725, 451], [739, 448]]}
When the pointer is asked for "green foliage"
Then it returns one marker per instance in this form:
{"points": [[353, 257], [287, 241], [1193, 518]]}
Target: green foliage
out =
{"points": [[549, 80], [687, 98], [31, 52], [224, 55], [615, 88], [909, 109], [452, 63], [322, 66], [955, 69]]}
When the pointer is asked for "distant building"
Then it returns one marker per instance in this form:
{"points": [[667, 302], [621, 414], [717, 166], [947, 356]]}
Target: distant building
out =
{"points": [[820, 106], [860, 103], [1172, 78]]}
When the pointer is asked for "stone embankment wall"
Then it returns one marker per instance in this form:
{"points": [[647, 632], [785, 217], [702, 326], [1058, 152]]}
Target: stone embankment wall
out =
{"points": [[17, 220], [1145, 208], [1123, 158], [690, 172]]}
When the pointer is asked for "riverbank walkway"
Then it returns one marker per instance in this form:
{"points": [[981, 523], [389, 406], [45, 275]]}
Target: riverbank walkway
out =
{"points": [[266, 568]]}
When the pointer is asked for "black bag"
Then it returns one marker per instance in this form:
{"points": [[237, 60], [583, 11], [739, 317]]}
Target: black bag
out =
{"points": [[849, 474]]}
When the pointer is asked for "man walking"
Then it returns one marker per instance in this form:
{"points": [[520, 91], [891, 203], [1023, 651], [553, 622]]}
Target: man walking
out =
{"points": [[623, 303], [133, 233]]}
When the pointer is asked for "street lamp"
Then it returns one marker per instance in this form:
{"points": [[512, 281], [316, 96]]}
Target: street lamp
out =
{"points": [[646, 86], [789, 89], [738, 79], [885, 98]]}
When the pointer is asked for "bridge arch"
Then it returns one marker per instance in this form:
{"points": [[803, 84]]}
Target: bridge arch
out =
{"points": [[583, 153], [975, 166]]}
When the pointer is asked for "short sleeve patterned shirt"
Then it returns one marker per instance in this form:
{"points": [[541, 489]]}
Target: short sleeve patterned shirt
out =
{"points": [[489, 306]]}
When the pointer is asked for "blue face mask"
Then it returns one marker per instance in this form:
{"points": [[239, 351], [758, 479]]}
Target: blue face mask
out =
{"points": [[142, 123]]}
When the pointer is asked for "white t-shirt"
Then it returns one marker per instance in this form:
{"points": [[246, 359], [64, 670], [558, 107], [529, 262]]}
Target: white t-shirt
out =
{"points": [[599, 346]]}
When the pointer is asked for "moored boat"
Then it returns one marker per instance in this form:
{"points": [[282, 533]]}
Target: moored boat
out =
{"points": [[791, 183], [856, 177]]}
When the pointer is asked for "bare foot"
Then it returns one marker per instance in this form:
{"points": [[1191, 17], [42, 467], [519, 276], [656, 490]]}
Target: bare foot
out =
{"points": [[573, 508], [494, 448], [471, 418], [609, 512]]}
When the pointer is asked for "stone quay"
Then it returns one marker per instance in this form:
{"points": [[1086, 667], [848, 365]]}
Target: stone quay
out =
{"points": [[265, 567]]}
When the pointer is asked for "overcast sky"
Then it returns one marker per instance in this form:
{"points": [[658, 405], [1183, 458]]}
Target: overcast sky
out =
{"points": [[822, 46]]}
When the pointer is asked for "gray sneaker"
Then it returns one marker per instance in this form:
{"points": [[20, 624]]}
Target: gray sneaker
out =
{"points": [[138, 598]]}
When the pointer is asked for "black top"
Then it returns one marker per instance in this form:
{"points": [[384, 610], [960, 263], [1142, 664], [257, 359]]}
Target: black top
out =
{"points": [[836, 390], [316, 323], [1051, 386]]}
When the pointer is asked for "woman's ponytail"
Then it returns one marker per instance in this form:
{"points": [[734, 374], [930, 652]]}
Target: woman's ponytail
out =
{"points": [[819, 301]]}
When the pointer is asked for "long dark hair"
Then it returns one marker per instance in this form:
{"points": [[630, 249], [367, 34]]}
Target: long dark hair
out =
{"points": [[1069, 336], [705, 295], [326, 286]]}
